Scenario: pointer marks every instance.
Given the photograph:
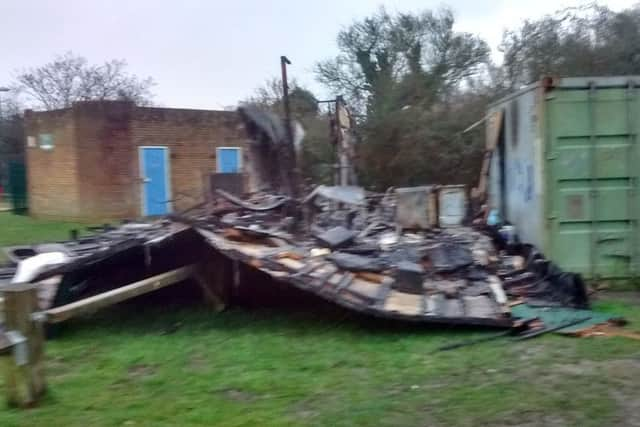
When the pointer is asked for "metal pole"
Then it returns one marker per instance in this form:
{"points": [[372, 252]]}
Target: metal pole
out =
{"points": [[291, 166], [284, 61], [334, 129]]}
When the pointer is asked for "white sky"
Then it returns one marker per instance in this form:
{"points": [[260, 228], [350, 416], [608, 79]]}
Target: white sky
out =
{"points": [[213, 53]]}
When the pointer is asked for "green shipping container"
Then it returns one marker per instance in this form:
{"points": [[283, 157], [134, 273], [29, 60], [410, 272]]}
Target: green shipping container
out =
{"points": [[565, 169]]}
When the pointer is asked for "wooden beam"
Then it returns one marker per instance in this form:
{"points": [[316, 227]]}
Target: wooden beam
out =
{"points": [[383, 293], [345, 281], [212, 276], [64, 312], [5, 344]]}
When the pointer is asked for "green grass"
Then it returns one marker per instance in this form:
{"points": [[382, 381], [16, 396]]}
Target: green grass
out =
{"points": [[18, 229], [22, 229], [145, 364]]}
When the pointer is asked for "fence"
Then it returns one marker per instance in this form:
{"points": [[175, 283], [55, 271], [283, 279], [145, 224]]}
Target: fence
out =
{"points": [[14, 183]]}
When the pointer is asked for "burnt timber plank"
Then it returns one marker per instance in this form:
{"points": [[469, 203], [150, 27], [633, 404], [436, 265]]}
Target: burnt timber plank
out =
{"points": [[383, 292], [64, 312], [307, 269], [324, 278], [345, 281]]}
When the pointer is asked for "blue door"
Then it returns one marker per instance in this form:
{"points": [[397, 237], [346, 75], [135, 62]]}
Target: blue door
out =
{"points": [[154, 165], [229, 160]]}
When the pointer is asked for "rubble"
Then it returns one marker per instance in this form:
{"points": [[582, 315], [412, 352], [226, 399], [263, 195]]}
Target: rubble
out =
{"points": [[354, 255], [349, 249]]}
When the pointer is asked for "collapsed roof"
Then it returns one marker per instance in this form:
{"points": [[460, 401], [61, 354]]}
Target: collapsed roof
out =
{"points": [[354, 255]]}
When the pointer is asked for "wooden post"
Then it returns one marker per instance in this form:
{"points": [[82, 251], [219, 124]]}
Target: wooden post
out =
{"points": [[212, 276], [25, 379]]}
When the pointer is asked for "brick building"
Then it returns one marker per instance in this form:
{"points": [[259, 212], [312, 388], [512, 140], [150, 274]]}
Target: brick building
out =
{"points": [[112, 159]]}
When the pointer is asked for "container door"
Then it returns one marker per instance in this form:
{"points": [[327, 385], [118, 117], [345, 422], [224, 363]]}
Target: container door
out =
{"points": [[154, 166], [228, 160], [592, 180]]}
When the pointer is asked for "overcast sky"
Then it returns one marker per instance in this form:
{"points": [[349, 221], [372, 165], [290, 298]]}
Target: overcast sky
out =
{"points": [[213, 53]]}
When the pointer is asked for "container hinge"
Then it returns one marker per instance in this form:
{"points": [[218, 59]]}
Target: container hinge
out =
{"points": [[552, 156]]}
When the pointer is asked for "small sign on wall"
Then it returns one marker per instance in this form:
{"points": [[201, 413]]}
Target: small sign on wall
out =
{"points": [[45, 141], [31, 142]]}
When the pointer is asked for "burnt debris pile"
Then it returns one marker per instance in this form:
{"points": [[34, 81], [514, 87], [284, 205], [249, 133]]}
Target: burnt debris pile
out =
{"points": [[379, 254], [404, 254]]}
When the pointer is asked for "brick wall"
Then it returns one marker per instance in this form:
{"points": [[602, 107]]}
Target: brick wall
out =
{"points": [[52, 175], [192, 137], [106, 168], [93, 170]]}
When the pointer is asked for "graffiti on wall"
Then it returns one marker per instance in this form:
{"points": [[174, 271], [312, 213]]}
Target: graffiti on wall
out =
{"points": [[520, 177]]}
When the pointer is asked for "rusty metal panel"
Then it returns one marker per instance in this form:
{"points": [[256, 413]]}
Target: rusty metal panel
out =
{"points": [[416, 207]]}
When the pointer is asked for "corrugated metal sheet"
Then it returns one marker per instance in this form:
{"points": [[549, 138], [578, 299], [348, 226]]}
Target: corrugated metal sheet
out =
{"points": [[592, 179]]}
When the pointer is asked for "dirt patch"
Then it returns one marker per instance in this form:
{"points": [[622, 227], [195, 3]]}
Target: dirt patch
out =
{"points": [[530, 352], [59, 367], [628, 404], [198, 362], [304, 410], [626, 373], [629, 297], [538, 420], [625, 369], [583, 367], [237, 395], [623, 375], [140, 370], [310, 408], [619, 370]]}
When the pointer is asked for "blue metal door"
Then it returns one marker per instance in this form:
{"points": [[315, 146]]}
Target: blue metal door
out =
{"points": [[154, 162], [229, 160]]}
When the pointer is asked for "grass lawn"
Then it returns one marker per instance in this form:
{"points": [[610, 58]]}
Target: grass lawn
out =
{"points": [[17, 229], [142, 364]]}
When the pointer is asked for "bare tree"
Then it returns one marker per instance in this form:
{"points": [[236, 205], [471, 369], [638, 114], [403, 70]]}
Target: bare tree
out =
{"points": [[269, 96], [589, 41], [317, 150], [70, 78]]}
